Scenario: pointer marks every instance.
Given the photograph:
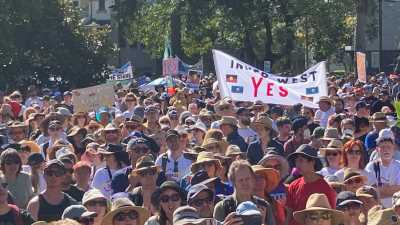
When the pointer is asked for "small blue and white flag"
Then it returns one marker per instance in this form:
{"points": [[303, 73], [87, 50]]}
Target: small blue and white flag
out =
{"points": [[312, 90], [237, 89]]}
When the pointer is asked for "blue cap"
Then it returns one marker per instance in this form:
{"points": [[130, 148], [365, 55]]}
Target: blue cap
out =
{"points": [[247, 208]]}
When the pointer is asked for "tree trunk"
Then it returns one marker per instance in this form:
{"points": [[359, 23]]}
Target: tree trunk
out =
{"points": [[362, 11], [176, 43], [268, 40]]}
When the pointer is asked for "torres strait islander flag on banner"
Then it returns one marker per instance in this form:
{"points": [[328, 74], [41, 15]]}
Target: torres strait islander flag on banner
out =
{"points": [[243, 82]]}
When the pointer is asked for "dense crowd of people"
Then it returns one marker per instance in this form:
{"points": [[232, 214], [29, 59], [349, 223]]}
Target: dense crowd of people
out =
{"points": [[182, 156]]}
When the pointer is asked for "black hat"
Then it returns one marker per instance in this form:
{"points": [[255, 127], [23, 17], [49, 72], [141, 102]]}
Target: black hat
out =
{"points": [[67, 93], [346, 197], [136, 141], [241, 110], [201, 177], [309, 152], [111, 149], [171, 133], [361, 104], [196, 189], [299, 123], [35, 159]]}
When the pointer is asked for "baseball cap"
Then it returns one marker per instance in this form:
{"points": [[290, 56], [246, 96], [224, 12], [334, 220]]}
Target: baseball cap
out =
{"points": [[76, 212], [35, 159], [385, 134], [54, 162], [367, 191], [197, 189], [247, 208], [346, 197], [171, 133]]}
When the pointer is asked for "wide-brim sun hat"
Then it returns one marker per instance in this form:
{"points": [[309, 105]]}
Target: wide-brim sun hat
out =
{"points": [[318, 202], [270, 175], [124, 204], [307, 151]]}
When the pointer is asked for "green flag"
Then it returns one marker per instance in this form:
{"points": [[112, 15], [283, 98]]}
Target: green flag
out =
{"points": [[167, 49]]}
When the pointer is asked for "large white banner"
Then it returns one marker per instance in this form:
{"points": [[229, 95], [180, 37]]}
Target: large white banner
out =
{"points": [[243, 82]]}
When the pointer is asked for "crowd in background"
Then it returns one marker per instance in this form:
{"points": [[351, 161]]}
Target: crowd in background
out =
{"points": [[183, 156]]}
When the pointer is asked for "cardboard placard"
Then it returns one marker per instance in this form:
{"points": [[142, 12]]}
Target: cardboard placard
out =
{"points": [[91, 98]]}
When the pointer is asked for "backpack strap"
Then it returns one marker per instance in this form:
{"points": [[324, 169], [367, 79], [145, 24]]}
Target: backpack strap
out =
{"points": [[377, 170], [109, 172], [164, 161]]}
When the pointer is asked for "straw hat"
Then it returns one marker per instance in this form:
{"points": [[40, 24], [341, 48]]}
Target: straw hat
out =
{"points": [[378, 117], [350, 174], [121, 205], [35, 148], [144, 163], [325, 99], [234, 150], [209, 141], [110, 127], [330, 134], [76, 130], [264, 121], [318, 202], [228, 120], [383, 217], [204, 157], [221, 105], [334, 145], [271, 176]]}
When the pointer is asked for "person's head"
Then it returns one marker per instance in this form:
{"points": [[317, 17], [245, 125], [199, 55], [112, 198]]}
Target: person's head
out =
{"points": [[262, 125], [193, 108], [349, 204], [228, 124], [243, 115], [130, 100], [172, 138], [206, 161], [69, 170], [151, 113], [82, 171], [10, 162], [307, 113], [242, 176], [17, 131], [266, 180], [353, 180], [124, 212], [362, 109], [201, 198], [369, 197], [137, 148], [167, 198], [324, 103], [379, 120], [284, 126], [112, 134], [385, 145], [96, 202], [54, 174], [318, 212], [67, 97], [55, 129], [352, 153], [146, 171], [305, 159], [275, 161], [332, 153], [300, 129], [80, 214]]}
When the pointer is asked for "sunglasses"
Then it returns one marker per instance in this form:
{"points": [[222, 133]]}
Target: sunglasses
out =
{"points": [[164, 122], [86, 221], [202, 201], [111, 132], [149, 172], [172, 198], [356, 180], [354, 152], [332, 154], [122, 216], [11, 162], [141, 150], [57, 173], [4, 185], [212, 147], [318, 216], [276, 166], [189, 123], [97, 202], [130, 127]]}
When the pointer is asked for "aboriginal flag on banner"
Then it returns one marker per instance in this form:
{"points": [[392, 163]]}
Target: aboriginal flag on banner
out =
{"points": [[231, 78]]}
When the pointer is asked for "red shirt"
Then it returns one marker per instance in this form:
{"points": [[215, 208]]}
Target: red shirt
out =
{"points": [[299, 191]]}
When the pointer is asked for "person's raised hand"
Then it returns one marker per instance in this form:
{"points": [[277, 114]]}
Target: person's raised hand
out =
{"points": [[233, 219]]}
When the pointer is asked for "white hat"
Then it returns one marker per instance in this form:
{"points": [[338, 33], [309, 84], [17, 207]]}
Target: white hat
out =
{"points": [[384, 135]]}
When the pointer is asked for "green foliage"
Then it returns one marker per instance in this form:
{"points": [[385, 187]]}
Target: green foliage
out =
{"points": [[44, 38]]}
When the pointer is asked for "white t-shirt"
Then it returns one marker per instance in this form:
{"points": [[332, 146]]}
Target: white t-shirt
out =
{"points": [[247, 133], [327, 171], [183, 166], [323, 116], [102, 181], [389, 175]]}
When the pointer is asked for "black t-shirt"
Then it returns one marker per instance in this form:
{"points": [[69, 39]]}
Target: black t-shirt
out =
{"points": [[75, 193], [8, 219]]}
